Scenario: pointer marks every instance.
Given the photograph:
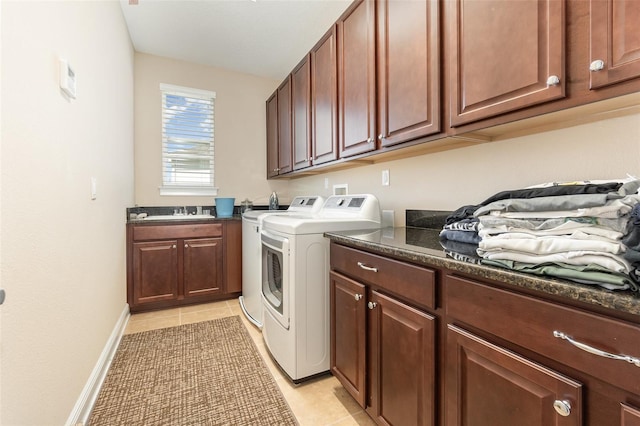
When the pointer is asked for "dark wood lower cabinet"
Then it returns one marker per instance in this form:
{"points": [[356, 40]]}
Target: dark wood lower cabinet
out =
{"points": [[630, 416], [383, 352], [177, 264], [402, 365], [203, 266], [416, 345], [155, 272], [488, 385], [348, 338]]}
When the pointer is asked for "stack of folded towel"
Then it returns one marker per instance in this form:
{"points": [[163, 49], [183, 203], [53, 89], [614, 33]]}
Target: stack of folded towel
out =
{"points": [[576, 231]]}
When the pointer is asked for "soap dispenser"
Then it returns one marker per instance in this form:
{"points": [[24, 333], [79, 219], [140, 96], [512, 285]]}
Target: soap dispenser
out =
{"points": [[273, 201]]}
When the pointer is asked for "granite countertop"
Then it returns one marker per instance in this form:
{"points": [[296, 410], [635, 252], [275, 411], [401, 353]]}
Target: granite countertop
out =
{"points": [[422, 246], [182, 220]]}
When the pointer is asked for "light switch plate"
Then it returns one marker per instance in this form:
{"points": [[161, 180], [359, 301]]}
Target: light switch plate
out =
{"points": [[385, 178], [94, 188]]}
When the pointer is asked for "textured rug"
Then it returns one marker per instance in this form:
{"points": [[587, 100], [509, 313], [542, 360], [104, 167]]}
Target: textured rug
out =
{"points": [[208, 373]]}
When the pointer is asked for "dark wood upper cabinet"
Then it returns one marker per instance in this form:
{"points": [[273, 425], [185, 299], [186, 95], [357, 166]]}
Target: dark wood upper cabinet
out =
{"points": [[272, 135], [504, 56], [301, 114], [324, 99], [357, 79], [614, 41], [284, 127], [408, 52]]}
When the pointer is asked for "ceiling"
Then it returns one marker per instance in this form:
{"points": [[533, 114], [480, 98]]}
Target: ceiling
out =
{"points": [[266, 38]]}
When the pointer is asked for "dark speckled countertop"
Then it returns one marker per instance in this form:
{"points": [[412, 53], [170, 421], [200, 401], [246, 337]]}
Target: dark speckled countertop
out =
{"points": [[422, 246]]}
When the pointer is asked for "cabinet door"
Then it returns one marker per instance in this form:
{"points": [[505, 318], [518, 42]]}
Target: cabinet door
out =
{"points": [[615, 41], [356, 79], [348, 325], [272, 136], [489, 385], [233, 256], [202, 266], [503, 53], [630, 415], [402, 363], [155, 271], [301, 114], [324, 99], [408, 70], [284, 127]]}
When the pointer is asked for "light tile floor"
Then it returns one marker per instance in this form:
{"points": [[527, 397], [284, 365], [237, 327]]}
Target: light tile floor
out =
{"points": [[318, 402]]}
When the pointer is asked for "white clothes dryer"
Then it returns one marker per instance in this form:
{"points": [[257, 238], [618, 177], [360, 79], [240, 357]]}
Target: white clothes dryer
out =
{"points": [[251, 298], [295, 281]]}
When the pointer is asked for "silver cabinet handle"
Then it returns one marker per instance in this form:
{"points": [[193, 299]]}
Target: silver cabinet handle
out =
{"points": [[372, 305], [553, 80], [358, 296], [367, 268], [630, 359], [596, 65], [562, 407]]}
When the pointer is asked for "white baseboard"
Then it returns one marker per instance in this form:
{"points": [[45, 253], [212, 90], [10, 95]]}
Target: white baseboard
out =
{"points": [[84, 405]]}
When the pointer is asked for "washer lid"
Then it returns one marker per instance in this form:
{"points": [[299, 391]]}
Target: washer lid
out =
{"points": [[315, 225]]}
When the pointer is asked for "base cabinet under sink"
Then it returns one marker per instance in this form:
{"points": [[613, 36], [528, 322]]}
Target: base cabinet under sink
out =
{"points": [[176, 264]]}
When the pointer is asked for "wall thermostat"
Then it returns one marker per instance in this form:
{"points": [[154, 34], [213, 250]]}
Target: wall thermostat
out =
{"points": [[67, 79]]}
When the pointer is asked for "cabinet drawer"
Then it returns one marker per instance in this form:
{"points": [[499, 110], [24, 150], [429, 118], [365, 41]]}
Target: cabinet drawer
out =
{"points": [[530, 323], [410, 282], [161, 232]]}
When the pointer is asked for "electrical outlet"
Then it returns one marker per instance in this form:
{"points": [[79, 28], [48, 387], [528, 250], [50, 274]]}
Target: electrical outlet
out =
{"points": [[385, 178]]}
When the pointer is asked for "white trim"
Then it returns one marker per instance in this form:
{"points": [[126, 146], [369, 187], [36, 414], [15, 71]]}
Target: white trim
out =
{"points": [[182, 190], [81, 411], [186, 91]]}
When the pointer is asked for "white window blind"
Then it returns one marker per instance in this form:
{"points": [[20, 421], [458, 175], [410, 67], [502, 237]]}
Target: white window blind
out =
{"points": [[187, 141]]}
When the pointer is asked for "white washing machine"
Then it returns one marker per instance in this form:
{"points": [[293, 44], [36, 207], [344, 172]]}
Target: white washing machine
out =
{"points": [[295, 281], [251, 299]]}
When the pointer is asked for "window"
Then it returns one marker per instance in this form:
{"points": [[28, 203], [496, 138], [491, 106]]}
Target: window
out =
{"points": [[187, 141]]}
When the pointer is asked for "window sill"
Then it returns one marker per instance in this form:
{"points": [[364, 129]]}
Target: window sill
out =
{"points": [[180, 191]]}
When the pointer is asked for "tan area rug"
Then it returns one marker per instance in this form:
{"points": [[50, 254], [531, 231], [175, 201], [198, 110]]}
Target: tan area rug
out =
{"points": [[208, 373]]}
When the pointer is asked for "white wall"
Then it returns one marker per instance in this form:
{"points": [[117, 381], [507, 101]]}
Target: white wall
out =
{"points": [[63, 254], [240, 130], [448, 180]]}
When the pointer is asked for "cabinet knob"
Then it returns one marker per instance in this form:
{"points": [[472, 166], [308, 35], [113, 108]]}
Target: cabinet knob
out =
{"points": [[562, 407], [370, 140], [380, 137], [358, 296], [553, 80], [186, 245], [596, 65], [173, 246], [372, 305]]}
